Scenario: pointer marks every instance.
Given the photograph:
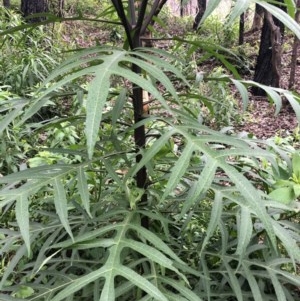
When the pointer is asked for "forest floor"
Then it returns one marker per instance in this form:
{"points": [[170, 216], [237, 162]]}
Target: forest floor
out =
{"points": [[260, 118]]}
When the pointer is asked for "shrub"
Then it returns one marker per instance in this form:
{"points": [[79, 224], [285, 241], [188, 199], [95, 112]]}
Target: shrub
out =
{"points": [[156, 208], [27, 57]]}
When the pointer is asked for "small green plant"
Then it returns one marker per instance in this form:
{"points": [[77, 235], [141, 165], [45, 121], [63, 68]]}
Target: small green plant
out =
{"points": [[287, 189], [214, 31], [157, 207], [88, 7], [26, 59], [221, 108], [14, 140]]}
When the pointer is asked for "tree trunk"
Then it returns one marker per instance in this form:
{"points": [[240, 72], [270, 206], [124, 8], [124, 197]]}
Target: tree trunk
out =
{"points": [[201, 10], [268, 64], [6, 3], [241, 29], [295, 51], [258, 18], [30, 7], [181, 8]]}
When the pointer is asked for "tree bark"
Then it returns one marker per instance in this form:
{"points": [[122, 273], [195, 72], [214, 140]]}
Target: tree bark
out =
{"points": [[268, 64], [201, 10], [241, 29], [6, 3], [181, 8], [258, 18], [30, 7], [294, 51]]}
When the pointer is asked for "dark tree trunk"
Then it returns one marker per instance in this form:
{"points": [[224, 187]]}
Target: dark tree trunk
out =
{"points": [[241, 29], [295, 51], [30, 7], [201, 10], [6, 3], [268, 64], [61, 4], [181, 8], [258, 18]]}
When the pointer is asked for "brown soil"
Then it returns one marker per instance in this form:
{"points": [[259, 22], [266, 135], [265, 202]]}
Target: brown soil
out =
{"points": [[260, 119]]}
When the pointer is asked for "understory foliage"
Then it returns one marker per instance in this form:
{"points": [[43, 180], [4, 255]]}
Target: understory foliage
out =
{"points": [[76, 224], [27, 56]]}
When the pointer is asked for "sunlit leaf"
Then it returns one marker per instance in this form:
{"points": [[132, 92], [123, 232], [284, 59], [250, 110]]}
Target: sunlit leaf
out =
{"points": [[291, 8], [22, 216], [277, 286], [141, 282], [256, 293], [118, 107], [294, 102], [252, 197], [211, 6], [203, 183], [296, 164], [245, 229], [239, 8], [243, 91], [83, 189], [178, 169], [214, 220], [61, 204], [98, 92], [288, 241], [283, 195]]}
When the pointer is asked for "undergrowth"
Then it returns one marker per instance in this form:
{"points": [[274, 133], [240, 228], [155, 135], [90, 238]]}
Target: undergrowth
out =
{"points": [[103, 200]]}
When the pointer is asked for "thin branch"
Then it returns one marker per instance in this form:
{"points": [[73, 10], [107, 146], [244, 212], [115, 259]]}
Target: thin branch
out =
{"points": [[132, 12], [276, 49], [148, 19], [294, 51], [141, 16], [161, 5], [127, 26]]}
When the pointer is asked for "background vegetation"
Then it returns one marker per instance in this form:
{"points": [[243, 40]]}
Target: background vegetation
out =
{"points": [[124, 175]]}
